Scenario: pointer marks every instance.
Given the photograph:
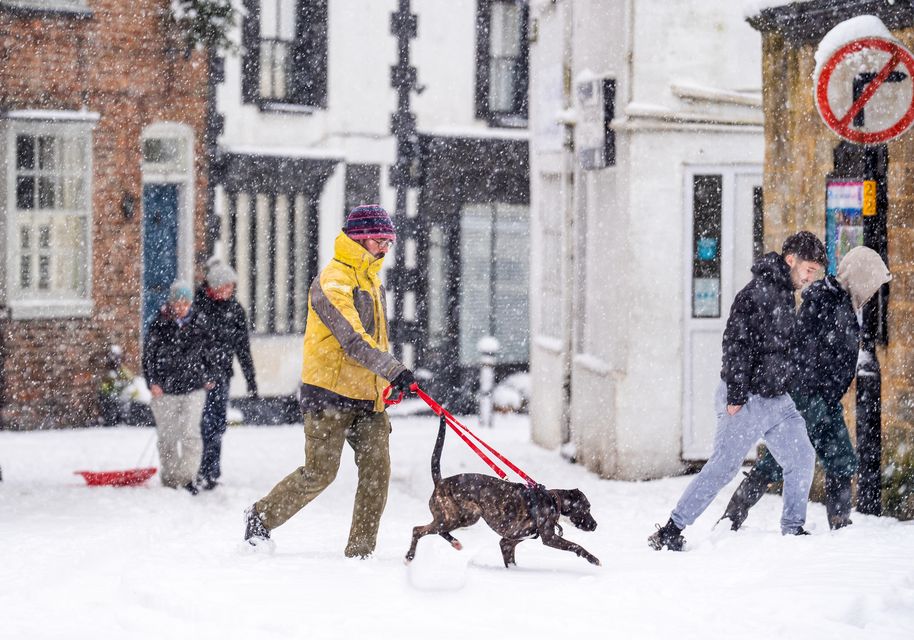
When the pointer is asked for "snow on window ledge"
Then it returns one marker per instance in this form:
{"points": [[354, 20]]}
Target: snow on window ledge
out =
{"points": [[42, 309], [76, 8]]}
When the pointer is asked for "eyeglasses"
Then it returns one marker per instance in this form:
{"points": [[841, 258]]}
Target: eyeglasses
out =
{"points": [[383, 243]]}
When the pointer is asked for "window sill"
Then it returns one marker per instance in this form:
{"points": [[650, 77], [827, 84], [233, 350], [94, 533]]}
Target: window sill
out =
{"points": [[45, 309], [27, 9], [507, 121], [287, 108]]}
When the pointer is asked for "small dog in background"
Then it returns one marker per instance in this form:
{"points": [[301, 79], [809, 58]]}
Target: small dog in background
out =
{"points": [[514, 511]]}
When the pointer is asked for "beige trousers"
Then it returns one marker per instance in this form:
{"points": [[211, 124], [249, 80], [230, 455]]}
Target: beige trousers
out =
{"points": [[178, 427], [325, 432]]}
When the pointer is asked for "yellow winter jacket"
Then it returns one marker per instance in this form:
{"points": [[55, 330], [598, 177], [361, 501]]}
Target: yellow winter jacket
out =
{"points": [[346, 345]]}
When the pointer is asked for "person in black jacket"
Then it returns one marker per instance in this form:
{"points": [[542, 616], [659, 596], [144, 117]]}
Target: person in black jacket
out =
{"points": [[752, 400], [177, 368], [227, 328], [825, 361]]}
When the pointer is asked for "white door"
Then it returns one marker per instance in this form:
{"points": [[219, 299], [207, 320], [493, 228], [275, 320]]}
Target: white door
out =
{"points": [[723, 224]]}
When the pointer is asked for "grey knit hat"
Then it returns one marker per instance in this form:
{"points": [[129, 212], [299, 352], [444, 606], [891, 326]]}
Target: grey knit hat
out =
{"points": [[861, 273], [220, 274]]}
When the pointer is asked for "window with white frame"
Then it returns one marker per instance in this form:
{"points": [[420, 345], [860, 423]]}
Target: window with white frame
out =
{"points": [[48, 215], [494, 280]]}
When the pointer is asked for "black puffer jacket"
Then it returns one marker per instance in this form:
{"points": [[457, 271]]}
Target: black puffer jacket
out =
{"points": [[758, 338], [826, 342], [175, 356], [227, 326]]}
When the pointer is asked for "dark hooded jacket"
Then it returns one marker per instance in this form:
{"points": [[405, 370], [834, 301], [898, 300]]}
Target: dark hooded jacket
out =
{"points": [[826, 342], [759, 335], [227, 325], [175, 355]]}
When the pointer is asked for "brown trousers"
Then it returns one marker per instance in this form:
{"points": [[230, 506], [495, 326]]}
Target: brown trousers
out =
{"points": [[325, 432]]}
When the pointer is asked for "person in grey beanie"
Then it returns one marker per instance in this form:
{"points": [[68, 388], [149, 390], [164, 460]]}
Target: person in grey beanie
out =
{"points": [[227, 328], [178, 369], [825, 362], [752, 401]]}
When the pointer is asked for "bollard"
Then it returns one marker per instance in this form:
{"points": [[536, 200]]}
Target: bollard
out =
{"points": [[487, 346]]}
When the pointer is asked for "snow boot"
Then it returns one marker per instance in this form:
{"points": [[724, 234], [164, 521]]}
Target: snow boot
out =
{"points": [[255, 532], [799, 531], [669, 536], [747, 494], [838, 501]]}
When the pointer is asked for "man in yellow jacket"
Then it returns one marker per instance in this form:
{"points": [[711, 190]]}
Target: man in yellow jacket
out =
{"points": [[346, 368]]}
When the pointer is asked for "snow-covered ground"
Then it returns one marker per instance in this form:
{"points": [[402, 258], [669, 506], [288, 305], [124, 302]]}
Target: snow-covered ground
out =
{"points": [[149, 562]]}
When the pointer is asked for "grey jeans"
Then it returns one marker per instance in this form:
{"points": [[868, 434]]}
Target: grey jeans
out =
{"points": [[777, 421], [178, 427]]}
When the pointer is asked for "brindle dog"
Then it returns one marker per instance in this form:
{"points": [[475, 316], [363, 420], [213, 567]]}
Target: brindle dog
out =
{"points": [[514, 511]]}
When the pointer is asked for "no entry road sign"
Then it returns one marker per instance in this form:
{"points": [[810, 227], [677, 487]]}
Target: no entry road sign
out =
{"points": [[865, 91]]}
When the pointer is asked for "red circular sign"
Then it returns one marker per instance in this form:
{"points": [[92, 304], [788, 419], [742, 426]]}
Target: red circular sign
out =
{"points": [[844, 124]]}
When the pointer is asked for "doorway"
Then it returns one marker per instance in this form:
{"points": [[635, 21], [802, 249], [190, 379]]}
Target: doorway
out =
{"points": [[160, 246], [723, 230]]}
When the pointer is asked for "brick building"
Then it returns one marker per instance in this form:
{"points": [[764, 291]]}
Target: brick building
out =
{"points": [[103, 192], [802, 155]]}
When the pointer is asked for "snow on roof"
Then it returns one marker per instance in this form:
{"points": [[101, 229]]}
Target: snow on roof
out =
{"points": [[285, 152], [754, 7], [848, 31]]}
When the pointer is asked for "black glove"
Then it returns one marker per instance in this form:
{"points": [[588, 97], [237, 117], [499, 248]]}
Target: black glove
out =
{"points": [[403, 381]]}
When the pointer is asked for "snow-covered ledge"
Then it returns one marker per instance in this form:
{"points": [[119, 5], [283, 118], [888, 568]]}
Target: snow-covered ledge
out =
{"points": [[694, 92]]}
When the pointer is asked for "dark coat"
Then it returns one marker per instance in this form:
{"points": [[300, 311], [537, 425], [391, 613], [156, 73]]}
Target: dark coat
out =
{"points": [[759, 335], [175, 356], [826, 342], [227, 326]]}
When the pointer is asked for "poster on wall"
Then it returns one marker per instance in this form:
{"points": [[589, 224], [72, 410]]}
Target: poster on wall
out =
{"points": [[846, 202]]}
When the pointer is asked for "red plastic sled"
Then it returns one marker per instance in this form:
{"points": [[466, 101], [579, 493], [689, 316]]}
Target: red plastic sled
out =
{"points": [[125, 478]]}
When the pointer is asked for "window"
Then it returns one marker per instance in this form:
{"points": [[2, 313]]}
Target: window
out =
{"points": [[501, 62], [48, 221], [707, 209], [494, 277], [285, 43]]}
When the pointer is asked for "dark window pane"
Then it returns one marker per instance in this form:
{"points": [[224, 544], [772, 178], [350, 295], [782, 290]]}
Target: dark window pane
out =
{"points": [[25, 272], [706, 239], [47, 153], [44, 237], [46, 198], [44, 272], [25, 152], [25, 192]]}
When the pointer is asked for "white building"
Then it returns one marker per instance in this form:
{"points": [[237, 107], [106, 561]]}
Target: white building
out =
{"points": [[307, 114], [642, 234]]}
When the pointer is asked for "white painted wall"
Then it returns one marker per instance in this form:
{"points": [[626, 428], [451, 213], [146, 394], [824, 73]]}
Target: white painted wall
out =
{"points": [[355, 126], [682, 70]]}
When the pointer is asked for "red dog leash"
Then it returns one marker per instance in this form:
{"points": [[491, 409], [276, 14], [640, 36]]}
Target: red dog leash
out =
{"points": [[463, 431]]}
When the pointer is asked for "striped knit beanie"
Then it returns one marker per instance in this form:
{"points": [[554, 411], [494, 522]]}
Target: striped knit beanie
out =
{"points": [[369, 221]]}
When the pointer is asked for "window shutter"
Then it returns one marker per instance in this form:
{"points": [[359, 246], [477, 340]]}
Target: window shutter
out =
{"points": [[250, 44], [309, 75]]}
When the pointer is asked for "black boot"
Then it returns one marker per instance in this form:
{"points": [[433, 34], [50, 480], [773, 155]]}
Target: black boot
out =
{"points": [[669, 536], [747, 494], [838, 501], [254, 530]]}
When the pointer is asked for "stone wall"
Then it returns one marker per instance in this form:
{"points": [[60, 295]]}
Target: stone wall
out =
{"points": [[121, 61], [798, 156]]}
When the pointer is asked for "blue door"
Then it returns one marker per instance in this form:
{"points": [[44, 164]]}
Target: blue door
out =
{"points": [[160, 246]]}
